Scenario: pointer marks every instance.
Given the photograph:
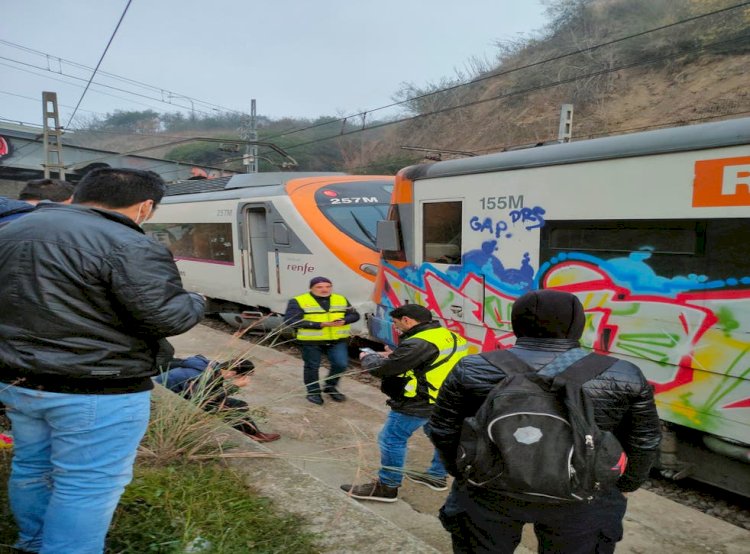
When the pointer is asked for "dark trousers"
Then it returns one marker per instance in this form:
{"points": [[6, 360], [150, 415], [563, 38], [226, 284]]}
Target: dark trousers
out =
{"points": [[494, 526], [312, 354], [236, 409]]}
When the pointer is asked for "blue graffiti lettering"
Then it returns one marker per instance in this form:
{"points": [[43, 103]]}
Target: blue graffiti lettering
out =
{"points": [[534, 216], [486, 224]]}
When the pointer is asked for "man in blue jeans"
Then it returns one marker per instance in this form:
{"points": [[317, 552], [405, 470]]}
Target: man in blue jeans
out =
{"points": [[411, 377], [86, 298], [322, 320]]}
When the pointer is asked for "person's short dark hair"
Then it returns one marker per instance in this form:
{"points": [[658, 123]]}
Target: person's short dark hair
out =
{"points": [[115, 188], [240, 367], [548, 313], [414, 311], [53, 190], [316, 280]]}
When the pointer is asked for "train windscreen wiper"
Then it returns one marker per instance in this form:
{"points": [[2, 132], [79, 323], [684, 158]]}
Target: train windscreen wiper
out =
{"points": [[362, 227]]}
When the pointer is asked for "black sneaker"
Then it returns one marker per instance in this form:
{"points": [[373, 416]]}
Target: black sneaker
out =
{"points": [[315, 399], [435, 483], [335, 395], [372, 491]]}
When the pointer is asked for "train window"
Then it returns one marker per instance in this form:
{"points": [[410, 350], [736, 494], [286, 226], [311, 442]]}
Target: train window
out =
{"points": [[195, 241], [441, 232], [280, 233], [671, 248], [663, 237], [359, 221]]}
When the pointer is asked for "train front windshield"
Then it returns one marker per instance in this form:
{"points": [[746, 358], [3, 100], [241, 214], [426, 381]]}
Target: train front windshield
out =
{"points": [[356, 207]]}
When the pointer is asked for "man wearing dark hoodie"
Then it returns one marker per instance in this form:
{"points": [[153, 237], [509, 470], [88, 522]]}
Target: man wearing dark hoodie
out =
{"points": [[411, 377], [546, 323], [34, 192]]}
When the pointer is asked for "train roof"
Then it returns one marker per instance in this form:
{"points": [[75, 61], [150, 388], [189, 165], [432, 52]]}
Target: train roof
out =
{"points": [[718, 134], [240, 181]]}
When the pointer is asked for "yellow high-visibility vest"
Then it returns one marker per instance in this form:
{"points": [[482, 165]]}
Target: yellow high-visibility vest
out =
{"points": [[451, 348], [315, 312]]}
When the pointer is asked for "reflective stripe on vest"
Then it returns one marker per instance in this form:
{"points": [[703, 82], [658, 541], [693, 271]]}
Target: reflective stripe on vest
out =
{"points": [[443, 340], [315, 312]]}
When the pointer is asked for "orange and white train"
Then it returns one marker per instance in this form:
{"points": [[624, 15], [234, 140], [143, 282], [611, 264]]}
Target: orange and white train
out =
{"points": [[650, 230], [250, 242]]}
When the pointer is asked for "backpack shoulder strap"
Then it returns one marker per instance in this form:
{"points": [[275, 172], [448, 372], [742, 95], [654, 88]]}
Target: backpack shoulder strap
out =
{"points": [[448, 357], [508, 362], [584, 370], [421, 375]]}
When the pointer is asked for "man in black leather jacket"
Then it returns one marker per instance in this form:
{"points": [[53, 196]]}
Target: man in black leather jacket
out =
{"points": [[86, 298], [412, 375], [545, 323]]}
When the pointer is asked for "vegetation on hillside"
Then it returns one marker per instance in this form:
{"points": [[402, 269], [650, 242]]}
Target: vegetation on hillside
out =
{"points": [[622, 64]]}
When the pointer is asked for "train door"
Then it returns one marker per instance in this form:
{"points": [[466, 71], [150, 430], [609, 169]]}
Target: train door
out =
{"points": [[256, 239], [440, 246]]}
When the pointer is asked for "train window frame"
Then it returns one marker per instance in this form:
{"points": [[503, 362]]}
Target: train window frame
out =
{"points": [[281, 235], [204, 230], [717, 252], [619, 231], [348, 206], [442, 243]]}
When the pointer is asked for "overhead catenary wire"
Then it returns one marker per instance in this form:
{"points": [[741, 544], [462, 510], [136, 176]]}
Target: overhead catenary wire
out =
{"points": [[523, 91], [162, 91], [37, 100], [103, 85], [376, 165], [101, 59], [414, 98], [535, 88], [97, 84], [516, 69], [513, 93], [498, 97]]}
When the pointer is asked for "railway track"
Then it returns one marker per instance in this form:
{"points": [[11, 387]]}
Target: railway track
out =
{"points": [[721, 504]]}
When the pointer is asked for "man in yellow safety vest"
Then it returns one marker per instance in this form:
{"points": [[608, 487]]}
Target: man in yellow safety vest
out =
{"points": [[322, 320], [411, 377]]}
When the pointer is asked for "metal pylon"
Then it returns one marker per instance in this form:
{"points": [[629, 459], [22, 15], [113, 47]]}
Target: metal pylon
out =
{"points": [[52, 137]]}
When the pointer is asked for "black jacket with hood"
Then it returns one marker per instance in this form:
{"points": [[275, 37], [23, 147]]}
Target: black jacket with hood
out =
{"points": [[86, 297], [546, 323], [411, 354]]}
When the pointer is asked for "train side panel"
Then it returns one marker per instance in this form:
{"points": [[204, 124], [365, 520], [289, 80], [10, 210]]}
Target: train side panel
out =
{"points": [[654, 246], [252, 249]]}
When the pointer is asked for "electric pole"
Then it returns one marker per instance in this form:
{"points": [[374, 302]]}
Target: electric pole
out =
{"points": [[52, 137], [250, 133]]}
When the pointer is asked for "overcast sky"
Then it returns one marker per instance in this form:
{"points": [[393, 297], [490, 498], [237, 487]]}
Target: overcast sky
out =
{"points": [[295, 57]]}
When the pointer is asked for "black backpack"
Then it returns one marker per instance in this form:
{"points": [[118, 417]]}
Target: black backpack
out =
{"points": [[535, 438]]}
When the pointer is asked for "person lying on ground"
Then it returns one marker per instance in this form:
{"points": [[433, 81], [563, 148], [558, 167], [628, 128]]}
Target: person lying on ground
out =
{"points": [[211, 384]]}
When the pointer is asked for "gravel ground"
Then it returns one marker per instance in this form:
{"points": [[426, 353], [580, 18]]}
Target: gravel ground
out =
{"points": [[716, 502], [710, 500]]}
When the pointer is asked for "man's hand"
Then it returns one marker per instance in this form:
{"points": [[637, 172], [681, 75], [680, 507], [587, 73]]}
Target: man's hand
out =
{"points": [[337, 323], [387, 352]]}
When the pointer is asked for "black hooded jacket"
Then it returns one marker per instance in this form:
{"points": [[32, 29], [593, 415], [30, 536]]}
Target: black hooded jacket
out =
{"points": [[86, 297], [547, 323], [411, 354]]}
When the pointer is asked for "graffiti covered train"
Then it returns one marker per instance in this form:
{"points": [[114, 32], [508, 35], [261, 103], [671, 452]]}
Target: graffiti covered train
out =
{"points": [[651, 232]]}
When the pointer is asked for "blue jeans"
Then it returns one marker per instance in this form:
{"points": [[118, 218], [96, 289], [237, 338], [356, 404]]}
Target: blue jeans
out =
{"points": [[73, 455], [393, 440], [312, 353]]}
